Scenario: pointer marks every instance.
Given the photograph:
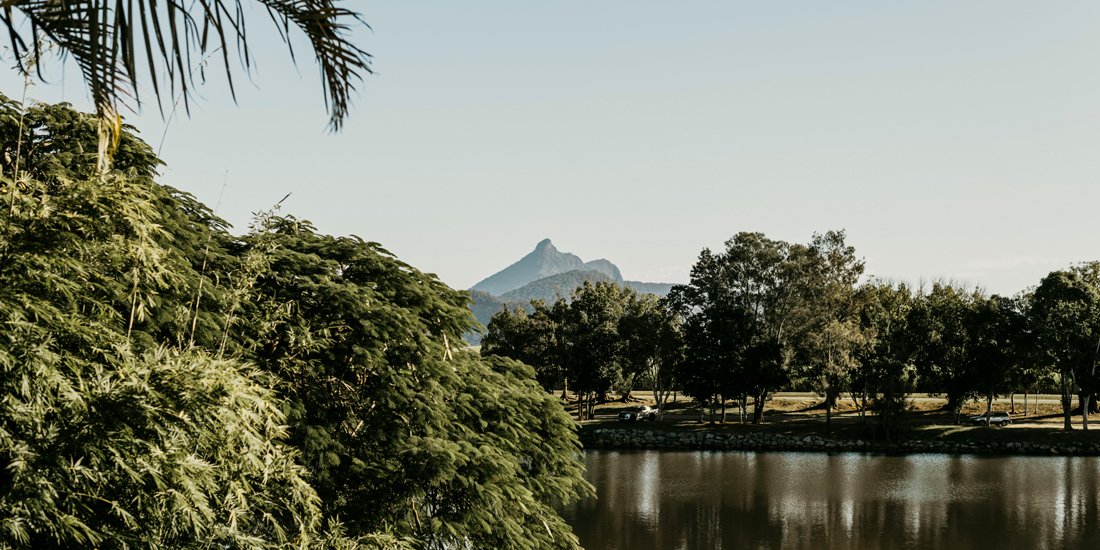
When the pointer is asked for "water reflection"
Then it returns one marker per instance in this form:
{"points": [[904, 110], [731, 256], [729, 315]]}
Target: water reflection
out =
{"points": [[707, 500]]}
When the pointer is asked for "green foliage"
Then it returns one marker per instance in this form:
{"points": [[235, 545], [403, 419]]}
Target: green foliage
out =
{"points": [[395, 425], [886, 360], [108, 40], [606, 337], [1065, 308], [102, 445], [591, 347], [828, 335], [51, 143], [550, 289], [940, 322], [652, 343], [738, 312], [165, 384], [529, 338]]}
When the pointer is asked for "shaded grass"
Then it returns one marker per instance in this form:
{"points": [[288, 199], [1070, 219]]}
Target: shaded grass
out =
{"points": [[924, 421]]}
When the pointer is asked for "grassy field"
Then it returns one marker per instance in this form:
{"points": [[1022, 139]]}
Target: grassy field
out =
{"points": [[802, 414]]}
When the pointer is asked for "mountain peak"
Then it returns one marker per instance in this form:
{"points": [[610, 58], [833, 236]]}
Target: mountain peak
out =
{"points": [[543, 261]]}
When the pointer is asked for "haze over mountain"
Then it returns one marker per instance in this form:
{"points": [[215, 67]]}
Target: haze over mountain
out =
{"points": [[547, 274]]}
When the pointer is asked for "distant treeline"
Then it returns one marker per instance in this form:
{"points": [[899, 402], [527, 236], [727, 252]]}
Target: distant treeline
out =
{"points": [[764, 315]]}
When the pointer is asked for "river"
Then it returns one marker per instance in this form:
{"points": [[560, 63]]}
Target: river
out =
{"points": [[740, 500]]}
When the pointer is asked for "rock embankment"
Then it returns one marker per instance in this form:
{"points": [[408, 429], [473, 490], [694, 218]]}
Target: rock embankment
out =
{"points": [[627, 438]]}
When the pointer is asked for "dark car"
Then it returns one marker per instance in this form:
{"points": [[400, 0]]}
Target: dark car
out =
{"points": [[638, 413], [999, 418]]}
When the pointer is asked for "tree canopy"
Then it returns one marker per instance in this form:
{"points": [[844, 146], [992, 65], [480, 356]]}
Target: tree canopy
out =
{"points": [[164, 383]]}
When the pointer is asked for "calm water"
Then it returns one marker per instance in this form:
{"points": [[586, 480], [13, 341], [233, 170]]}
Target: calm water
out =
{"points": [[734, 500]]}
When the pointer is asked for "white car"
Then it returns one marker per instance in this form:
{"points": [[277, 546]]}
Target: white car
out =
{"points": [[639, 413], [998, 418]]}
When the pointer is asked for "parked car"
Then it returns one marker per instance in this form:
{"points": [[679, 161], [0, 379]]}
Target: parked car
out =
{"points": [[999, 418], [638, 413]]}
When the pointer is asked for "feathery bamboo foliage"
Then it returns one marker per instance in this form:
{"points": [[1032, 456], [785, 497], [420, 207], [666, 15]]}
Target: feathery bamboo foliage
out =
{"points": [[165, 384], [403, 433], [105, 446]]}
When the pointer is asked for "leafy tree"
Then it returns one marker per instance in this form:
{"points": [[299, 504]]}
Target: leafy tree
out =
{"points": [[940, 322], [1066, 308], [738, 309], [886, 359], [714, 344], [591, 348], [652, 344], [101, 444], [165, 384], [401, 432], [1033, 368], [528, 338], [998, 331], [829, 333], [831, 351]]}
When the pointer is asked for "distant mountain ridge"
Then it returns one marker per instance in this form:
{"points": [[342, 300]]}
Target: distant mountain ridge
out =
{"points": [[544, 261], [547, 274], [557, 286]]}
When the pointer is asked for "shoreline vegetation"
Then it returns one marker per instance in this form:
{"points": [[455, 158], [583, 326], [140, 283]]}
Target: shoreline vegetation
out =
{"points": [[765, 316], [795, 421]]}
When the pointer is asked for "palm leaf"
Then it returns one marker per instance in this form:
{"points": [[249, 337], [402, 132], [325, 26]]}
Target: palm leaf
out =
{"points": [[108, 39]]}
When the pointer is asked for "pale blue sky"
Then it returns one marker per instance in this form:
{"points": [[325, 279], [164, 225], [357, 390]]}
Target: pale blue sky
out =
{"points": [[951, 139]]}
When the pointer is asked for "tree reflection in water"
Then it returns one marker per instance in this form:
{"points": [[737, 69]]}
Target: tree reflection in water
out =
{"points": [[734, 500]]}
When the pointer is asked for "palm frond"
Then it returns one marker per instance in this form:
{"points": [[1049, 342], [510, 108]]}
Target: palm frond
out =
{"points": [[108, 39]]}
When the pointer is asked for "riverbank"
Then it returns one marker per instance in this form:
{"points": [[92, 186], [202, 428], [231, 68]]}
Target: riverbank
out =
{"points": [[796, 422], [977, 440]]}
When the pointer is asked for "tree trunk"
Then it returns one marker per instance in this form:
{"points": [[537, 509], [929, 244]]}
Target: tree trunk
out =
{"points": [[1091, 399], [758, 400], [1012, 403], [863, 405], [591, 406], [988, 408], [629, 385], [1067, 403], [565, 389], [580, 406], [1025, 403], [1085, 411], [660, 396], [828, 418], [723, 399]]}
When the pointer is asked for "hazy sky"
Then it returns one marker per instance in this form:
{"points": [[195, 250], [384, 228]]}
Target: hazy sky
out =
{"points": [[951, 139]]}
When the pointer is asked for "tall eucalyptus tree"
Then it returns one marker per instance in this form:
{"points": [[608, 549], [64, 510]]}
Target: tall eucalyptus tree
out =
{"points": [[829, 334]]}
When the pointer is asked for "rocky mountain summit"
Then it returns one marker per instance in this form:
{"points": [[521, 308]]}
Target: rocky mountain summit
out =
{"points": [[544, 261], [547, 274]]}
